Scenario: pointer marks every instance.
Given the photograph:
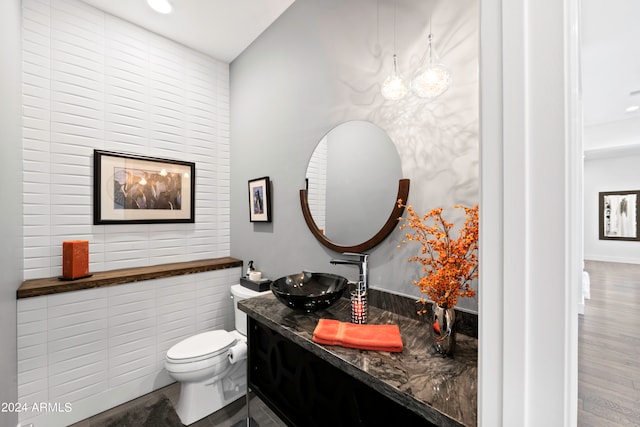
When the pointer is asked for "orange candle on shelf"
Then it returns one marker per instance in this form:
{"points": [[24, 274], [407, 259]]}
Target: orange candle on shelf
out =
{"points": [[75, 259]]}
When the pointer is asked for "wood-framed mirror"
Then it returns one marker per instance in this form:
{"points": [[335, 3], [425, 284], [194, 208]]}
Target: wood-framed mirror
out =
{"points": [[353, 180]]}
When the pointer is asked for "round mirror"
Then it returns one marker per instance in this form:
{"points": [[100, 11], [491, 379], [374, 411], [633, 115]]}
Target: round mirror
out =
{"points": [[353, 181]]}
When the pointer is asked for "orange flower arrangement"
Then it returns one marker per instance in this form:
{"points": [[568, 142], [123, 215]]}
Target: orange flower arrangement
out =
{"points": [[450, 264]]}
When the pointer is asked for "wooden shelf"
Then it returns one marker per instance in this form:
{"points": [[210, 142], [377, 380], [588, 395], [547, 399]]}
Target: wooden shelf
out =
{"points": [[54, 285]]}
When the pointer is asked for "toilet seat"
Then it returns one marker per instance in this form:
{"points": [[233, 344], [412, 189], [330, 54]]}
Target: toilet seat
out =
{"points": [[201, 347], [211, 366]]}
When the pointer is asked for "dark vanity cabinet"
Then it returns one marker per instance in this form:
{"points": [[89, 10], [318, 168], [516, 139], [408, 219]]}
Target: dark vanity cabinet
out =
{"points": [[308, 384], [306, 391]]}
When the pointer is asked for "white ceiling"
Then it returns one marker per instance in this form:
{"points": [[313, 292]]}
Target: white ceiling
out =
{"points": [[220, 28], [610, 54], [610, 59]]}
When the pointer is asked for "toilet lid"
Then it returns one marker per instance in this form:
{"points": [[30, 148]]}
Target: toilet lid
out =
{"points": [[201, 346]]}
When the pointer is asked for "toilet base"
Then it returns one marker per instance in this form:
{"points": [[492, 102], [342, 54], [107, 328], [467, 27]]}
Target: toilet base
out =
{"points": [[200, 399]]}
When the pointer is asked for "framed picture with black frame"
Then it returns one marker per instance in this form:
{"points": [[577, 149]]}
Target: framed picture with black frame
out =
{"points": [[260, 200], [133, 189], [619, 215]]}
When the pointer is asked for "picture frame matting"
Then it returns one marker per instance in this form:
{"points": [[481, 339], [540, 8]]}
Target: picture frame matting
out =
{"points": [[135, 189], [260, 200], [619, 215]]}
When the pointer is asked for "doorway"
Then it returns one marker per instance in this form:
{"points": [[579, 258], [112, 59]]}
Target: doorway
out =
{"points": [[608, 373]]}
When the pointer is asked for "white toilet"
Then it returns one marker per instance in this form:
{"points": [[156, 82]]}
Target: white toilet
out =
{"points": [[211, 366]]}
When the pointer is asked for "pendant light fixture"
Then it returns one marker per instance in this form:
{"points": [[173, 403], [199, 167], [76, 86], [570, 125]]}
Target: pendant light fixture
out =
{"points": [[433, 78], [395, 86]]}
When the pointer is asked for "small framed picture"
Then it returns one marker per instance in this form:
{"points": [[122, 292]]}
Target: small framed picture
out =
{"points": [[132, 189], [260, 200], [619, 215]]}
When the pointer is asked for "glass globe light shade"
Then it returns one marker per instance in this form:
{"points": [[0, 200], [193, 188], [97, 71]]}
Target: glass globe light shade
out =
{"points": [[395, 86], [433, 79]]}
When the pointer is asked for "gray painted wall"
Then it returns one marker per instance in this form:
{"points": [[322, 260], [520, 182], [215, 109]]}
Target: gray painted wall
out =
{"points": [[320, 64], [11, 191]]}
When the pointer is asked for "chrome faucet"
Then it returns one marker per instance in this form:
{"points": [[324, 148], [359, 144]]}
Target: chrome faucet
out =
{"points": [[362, 263]]}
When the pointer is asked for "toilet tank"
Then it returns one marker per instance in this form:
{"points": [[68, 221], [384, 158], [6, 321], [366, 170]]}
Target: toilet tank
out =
{"points": [[238, 293]]}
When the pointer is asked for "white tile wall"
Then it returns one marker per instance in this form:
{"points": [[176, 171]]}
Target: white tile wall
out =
{"points": [[317, 175], [92, 81], [33, 381], [101, 347]]}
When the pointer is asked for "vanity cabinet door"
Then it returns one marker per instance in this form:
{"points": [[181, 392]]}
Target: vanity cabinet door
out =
{"points": [[306, 391]]}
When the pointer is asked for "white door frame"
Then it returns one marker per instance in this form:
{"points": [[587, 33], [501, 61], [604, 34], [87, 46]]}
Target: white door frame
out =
{"points": [[530, 218]]}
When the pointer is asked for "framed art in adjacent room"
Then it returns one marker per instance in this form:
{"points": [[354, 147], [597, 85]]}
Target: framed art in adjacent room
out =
{"points": [[260, 200], [619, 215], [133, 189]]}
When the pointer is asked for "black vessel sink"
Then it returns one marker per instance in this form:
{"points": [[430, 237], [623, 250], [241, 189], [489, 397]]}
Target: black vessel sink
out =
{"points": [[309, 291]]}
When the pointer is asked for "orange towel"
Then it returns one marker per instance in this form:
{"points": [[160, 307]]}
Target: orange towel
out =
{"points": [[365, 337]]}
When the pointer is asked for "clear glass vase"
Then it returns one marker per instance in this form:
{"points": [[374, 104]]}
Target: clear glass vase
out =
{"points": [[442, 329]]}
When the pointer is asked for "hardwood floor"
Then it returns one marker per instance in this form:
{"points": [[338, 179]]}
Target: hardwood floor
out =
{"points": [[609, 347]]}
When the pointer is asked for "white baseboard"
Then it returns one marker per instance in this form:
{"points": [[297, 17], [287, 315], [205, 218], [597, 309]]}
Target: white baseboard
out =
{"points": [[606, 258]]}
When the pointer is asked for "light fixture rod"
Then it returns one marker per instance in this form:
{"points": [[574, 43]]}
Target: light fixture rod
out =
{"points": [[429, 39], [394, 30], [394, 86]]}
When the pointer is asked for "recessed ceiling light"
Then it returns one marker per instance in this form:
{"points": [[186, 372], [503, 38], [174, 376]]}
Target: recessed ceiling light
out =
{"points": [[632, 108], [160, 6]]}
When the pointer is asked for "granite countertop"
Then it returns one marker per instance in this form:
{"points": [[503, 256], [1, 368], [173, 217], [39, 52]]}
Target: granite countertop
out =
{"points": [[442, 390]]}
